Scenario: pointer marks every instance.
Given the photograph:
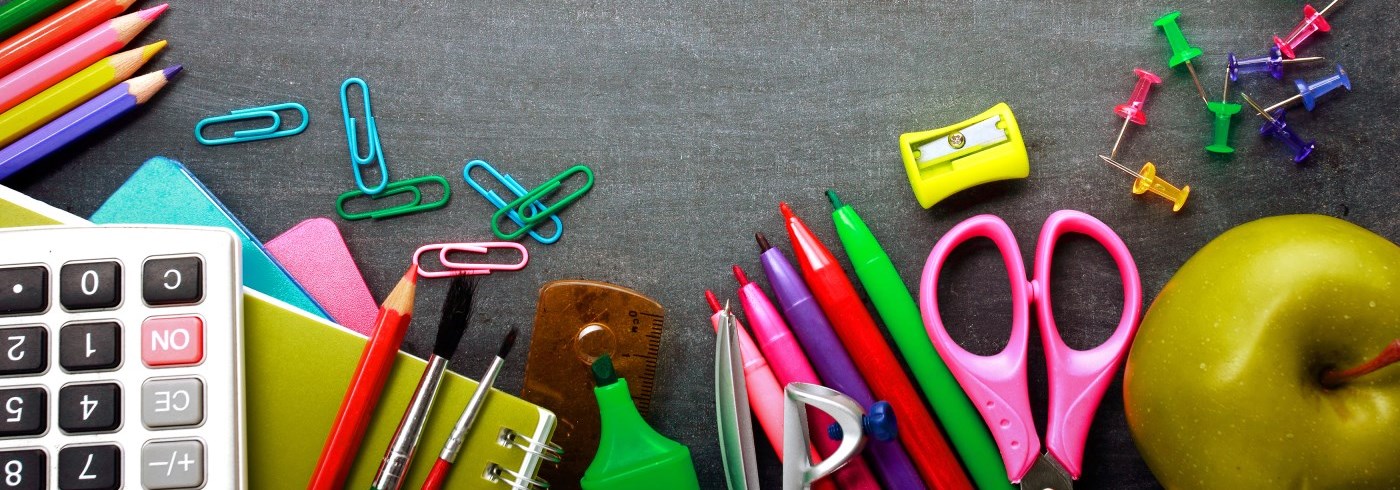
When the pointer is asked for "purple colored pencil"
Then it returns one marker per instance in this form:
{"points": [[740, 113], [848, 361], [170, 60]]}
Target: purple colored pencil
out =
{"points": [[831, 361], [84, 119]]}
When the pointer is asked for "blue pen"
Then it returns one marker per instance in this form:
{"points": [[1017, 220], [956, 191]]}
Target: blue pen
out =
{"points": [[831, 361]]}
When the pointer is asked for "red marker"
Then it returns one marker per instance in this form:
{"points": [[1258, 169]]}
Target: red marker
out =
{"points": [[876, 362]]}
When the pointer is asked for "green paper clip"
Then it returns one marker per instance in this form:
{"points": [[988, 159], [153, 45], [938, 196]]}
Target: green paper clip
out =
{"points": [[1182, 51], [526, 203], [272, 130], [414, 205], [1223, 113]]}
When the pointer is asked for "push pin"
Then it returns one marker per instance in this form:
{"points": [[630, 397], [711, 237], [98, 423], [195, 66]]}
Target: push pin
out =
{"points": [[1278, 129], [1223, 111], [1135, 109], [1272, 63], [1309, 92], [1313, 21], [1147, 180], [1182, 52]]}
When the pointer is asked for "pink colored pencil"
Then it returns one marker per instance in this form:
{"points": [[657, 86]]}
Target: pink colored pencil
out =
{"points": [[95, 44]]}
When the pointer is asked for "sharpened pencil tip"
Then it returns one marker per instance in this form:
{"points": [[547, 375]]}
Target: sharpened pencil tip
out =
{"points": [[153, 12], [173, 70], [149, 51]]}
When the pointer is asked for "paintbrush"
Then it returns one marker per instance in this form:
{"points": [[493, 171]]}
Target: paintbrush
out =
{"points": [[456, 311], [438, 476]]}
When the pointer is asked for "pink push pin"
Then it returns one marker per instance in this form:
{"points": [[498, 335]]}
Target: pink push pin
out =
{"points": [[1135, 109], [1313, 21]]}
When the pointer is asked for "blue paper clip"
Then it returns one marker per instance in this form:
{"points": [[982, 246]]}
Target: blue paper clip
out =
{"points": [[519, 191], [374, 151], [273, 130]]}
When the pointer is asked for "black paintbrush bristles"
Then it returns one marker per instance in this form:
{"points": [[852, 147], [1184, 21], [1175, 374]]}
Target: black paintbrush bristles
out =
{"points": [[507, 343], [456, 313]]}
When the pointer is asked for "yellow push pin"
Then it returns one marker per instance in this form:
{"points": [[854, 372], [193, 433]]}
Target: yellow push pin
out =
{"points": [[1147, 180]]}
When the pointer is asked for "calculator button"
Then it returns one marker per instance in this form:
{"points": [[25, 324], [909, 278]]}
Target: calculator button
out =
{"points": [[90, 346], [175, 281], [172, 341], [23, 411], [90, 285], [24, 290], [23, 350], [90, 468], [172, 402], [24, 469], [173, 464], [90, 407]]}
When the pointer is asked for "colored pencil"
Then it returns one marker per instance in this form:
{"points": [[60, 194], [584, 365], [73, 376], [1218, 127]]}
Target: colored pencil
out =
{"points": [[19, 13], [84, 50], [362, 395], [85, 119], [901, 316], [790, 365], [55, 30], [72, 91], [833, 364], [878, 365]]}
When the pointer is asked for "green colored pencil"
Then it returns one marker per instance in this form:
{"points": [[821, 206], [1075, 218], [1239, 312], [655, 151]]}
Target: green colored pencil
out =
{"points": [[18, 14], [897, 309]]}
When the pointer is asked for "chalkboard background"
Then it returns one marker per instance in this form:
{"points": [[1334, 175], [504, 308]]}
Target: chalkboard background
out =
{"points": [[698, 117]]}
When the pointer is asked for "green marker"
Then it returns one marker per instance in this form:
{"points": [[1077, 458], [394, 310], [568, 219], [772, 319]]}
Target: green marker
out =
{"points": [[897, 309], [632, 455]]}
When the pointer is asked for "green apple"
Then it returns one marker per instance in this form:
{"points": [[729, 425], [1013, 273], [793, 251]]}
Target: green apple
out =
{"points": [[1224, 385]]}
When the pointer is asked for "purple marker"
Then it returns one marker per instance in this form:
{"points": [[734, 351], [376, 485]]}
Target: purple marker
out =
{"points": [[93, 114], [831, 361]]}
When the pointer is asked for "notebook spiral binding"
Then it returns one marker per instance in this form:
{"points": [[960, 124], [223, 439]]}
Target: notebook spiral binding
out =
{"points": [[544, 450]]}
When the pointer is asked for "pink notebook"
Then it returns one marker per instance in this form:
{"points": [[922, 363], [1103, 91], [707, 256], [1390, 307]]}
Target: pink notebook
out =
{"points": [[314, 253]]}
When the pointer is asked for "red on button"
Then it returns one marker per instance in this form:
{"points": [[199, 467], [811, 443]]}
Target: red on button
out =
{"points": [[172, 341]]}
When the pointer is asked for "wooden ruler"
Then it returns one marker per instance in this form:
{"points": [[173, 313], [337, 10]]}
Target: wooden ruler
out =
{"points": [[576, 321]]}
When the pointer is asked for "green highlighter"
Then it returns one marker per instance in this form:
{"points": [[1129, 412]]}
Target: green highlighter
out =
{"points": [[900, 314], [632, 455]]}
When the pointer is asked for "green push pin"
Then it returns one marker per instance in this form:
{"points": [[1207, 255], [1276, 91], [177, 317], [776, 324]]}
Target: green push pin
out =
{"points": [[1224, 112], [1182, 52]]}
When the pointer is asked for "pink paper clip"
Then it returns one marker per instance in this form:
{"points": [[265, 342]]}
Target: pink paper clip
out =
{"points": [[465, 268]]}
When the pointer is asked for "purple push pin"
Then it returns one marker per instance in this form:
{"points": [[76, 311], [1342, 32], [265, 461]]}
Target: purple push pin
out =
{"points": [[1309, 92], [1277, 129], [1272, 63]]}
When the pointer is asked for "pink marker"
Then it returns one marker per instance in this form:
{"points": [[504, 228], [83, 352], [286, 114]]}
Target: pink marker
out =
{"points": [[1135, 109], [1313, 21], [790, 365]]}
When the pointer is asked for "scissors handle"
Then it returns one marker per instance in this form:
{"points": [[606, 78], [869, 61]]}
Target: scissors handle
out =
{"points": [[997, 383], [1077, 378]]}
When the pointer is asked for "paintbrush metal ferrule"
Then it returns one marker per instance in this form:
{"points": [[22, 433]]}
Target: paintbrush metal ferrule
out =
{"points": [[400, 453], [458, 437]]}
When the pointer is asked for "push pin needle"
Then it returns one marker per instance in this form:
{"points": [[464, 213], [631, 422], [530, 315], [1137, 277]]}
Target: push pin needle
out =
{"points": [[1313, 21], [1135, 109], [1182, 51], [1147, 180]]}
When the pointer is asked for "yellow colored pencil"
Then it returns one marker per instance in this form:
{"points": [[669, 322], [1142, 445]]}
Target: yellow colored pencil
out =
{"points": [[73, 91]]}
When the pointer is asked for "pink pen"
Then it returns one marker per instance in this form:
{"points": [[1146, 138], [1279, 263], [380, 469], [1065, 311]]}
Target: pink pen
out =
{"points": [[790, 365]]}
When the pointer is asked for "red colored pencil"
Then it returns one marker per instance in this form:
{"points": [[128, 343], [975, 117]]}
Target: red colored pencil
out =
{"points": [[343, 442], [55, 30], [877, 364]]}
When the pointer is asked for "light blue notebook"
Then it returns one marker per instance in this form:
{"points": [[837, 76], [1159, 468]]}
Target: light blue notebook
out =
{"points": [[164, 192]]}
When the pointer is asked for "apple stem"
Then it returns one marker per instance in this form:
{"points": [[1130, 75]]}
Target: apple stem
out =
{"points": [[1389, 355]]}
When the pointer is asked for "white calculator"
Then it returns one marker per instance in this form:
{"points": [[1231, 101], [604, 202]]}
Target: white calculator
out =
{"points": [[121, 358]]}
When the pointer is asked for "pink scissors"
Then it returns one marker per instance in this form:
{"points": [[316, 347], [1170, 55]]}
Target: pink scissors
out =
{"points": [[997, 384]]}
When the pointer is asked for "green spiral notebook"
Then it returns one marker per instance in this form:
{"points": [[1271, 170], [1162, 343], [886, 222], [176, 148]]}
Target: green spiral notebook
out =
{"points": [[296, 369]]}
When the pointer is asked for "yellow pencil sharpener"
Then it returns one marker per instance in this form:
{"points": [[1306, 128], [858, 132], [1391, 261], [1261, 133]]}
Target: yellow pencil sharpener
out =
{"points": [[983, 149]]}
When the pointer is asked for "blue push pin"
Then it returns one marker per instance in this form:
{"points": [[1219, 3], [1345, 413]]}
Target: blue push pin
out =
{"points": [[1309, 92], [1277, 129], [879, 423], [1272, 63]]}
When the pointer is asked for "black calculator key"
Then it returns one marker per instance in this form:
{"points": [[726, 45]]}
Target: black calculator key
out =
{"points": [[89, 407], [23, 350], [174, 281], [24, 290], [89, 346], [89, 468], [23, 411], [90, 285], [23, 469]]}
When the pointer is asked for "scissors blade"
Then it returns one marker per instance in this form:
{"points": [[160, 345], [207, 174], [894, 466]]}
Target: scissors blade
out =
{"points": [[1047, 474]]}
